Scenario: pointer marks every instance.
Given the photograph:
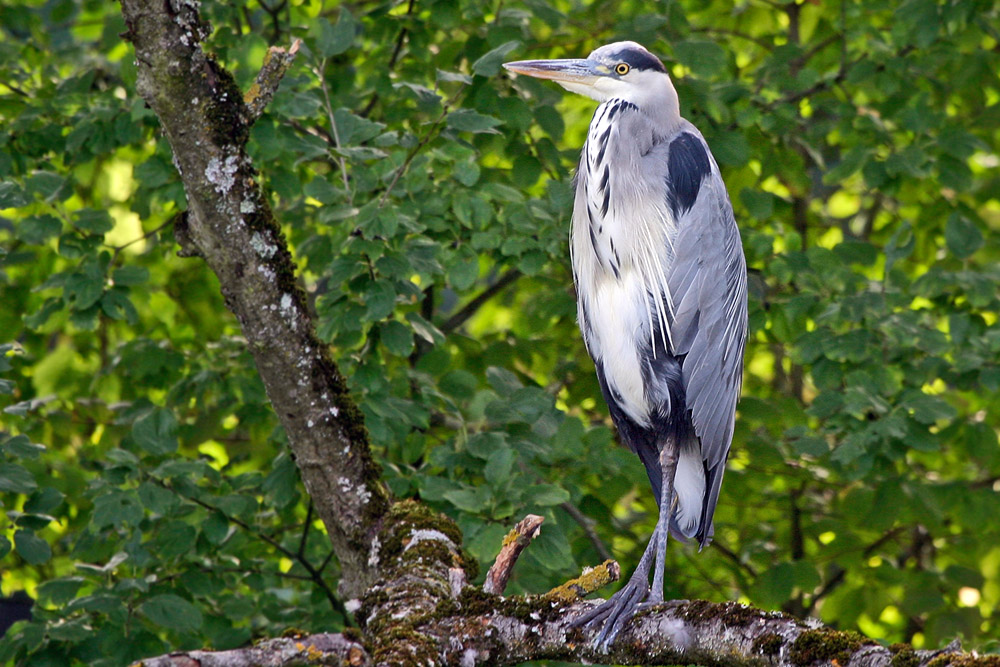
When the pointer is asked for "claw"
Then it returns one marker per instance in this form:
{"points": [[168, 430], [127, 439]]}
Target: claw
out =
{"points": [[617, 611]]}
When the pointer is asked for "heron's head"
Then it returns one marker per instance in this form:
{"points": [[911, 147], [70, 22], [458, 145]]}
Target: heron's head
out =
{"points": [[623, 70]]}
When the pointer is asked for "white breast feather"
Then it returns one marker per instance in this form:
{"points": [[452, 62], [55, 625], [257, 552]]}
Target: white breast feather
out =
{"points": [[639, 244]]}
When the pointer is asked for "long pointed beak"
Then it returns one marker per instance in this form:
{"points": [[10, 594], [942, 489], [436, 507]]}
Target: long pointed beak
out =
{"points": [[578, 70]]}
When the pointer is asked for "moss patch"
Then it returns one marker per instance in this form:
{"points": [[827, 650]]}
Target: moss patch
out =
{"points": [[408, 516], [903, 656], [965, 660], [825, 645], [768, 643], [730, 613], [227, 112], [403, 645]]}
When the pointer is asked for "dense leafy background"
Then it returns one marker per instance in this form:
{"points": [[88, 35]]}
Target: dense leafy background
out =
{"points": [[149, 502]]}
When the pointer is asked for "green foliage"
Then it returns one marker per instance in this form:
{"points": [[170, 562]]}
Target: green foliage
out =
{"points": [[149, 501]]}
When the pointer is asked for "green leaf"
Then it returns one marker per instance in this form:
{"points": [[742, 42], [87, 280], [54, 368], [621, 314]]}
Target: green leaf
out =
{"points": [[83, 288], [774, 586], [485, 543], [458, 383], [333, 40], [33, 549], [467, 120], [760, 204], [499, 465], [51, 186], [175, 538], [44, 500], [486, 443], [216, 528], [172, 612], [469, 500], [811, 446], [380, 299], [116, 304], [72, 631], [489, 63], [157, 499], [962, 235], [503, 381], [464, 271], [12, 196], [927, 409], [93, 221], [706, 59], [16, 479], [38, 229], [156, 432], [545, 494], [282, 482], [60, 591], [398, 338], [354, 129], [425, 329], [117, 508], [130, 275]]}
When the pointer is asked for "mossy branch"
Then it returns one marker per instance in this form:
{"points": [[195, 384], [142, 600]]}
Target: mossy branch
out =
{"points": [[276, 63], [517, 539]]}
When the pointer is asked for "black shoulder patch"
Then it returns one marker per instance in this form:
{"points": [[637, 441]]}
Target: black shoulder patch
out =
{"points": [[687, 166]]}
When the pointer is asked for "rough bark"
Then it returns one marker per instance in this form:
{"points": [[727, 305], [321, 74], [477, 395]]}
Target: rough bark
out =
{"points": [[229, 224], [402, 561]]}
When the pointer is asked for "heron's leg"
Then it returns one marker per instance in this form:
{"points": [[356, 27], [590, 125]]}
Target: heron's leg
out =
{"points": [[620, 607], [668, 468]]}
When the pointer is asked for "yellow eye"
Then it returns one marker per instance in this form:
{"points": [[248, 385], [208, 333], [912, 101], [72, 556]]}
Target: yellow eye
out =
{"points": [[621, 69]]}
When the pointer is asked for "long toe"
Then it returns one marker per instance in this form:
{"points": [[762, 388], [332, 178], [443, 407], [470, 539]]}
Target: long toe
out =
{"points": [[598, 614], [620, 614]]}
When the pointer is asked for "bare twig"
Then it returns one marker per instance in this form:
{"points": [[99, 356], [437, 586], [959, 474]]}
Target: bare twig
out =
{"points": [[515, 542], [467, 311], [735, 558], [587, 524], [276, 63], [118, 248], [397, 49], [321, 75]]}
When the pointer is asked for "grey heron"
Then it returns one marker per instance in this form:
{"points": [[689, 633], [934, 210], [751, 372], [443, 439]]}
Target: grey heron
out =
{"points": [[661, 288]]}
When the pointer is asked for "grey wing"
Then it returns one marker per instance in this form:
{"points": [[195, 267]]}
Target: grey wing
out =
{"points": [[708, 288]]}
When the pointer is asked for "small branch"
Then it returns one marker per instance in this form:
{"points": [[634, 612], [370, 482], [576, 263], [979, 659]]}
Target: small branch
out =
{"points": [[315, 575], [588, 527], [400, 39], [515, 542], [459, 318], [118, 248], [276, 63], [431, 133], [301, 553], [321, 75], [590, 580], [733, 556]]}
